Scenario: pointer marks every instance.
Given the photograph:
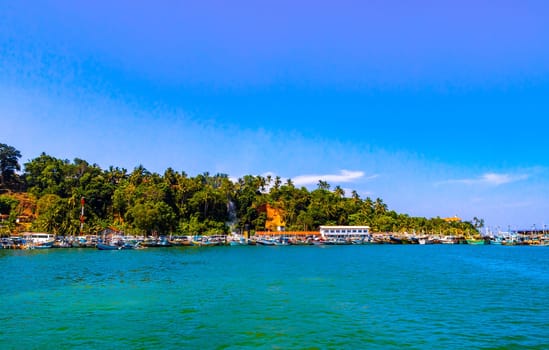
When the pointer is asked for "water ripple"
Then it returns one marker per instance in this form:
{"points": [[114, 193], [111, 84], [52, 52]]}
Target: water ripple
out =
{"points": [[375, 297]]}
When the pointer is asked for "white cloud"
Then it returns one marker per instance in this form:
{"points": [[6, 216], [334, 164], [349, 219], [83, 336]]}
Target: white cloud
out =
{"points": [[501, 179], [349, 192], [343, 177], [491, 179]]}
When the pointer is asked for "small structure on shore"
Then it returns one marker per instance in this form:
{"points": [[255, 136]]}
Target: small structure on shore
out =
{"points": [[344, 232]]}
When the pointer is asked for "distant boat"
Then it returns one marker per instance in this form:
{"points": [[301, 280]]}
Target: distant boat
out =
{"points": [[120, 244], [341, 241], [476, 241], [39, 240], [181, 241], [448, 240], [241, 241], [45, 245], [108, 246], [210, 241], [427, 240], [161, 242], [265, 241]]}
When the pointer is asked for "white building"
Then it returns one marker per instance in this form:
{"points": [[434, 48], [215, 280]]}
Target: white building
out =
{"points": [[39, 237], [345, 232]]}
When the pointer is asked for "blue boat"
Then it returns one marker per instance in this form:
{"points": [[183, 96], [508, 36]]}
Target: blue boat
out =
{"points": [[265, 241], [36, 240], [236, 242], [45, 245], [104, 246]]}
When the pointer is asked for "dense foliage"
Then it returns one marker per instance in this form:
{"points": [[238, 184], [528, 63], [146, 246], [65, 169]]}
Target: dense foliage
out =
{"points": [[9, 164], [147, 203]]}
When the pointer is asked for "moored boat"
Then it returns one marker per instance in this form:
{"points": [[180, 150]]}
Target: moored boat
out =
{"points": [[108, 246], [237, 242], [37, 240], [265, 241], [476, 241], [160, 242], [118, 243], [181, 241]]}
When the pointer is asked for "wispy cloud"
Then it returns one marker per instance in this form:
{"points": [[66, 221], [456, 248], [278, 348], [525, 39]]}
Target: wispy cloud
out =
{"points": [[344, 176], [349, 192], [491, 179]]}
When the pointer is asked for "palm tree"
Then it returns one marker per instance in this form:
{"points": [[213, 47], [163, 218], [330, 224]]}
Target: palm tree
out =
{"points": [[379, 206], [277, 182], [339, 192], [323, 185], [290, 183], [138, 175]]}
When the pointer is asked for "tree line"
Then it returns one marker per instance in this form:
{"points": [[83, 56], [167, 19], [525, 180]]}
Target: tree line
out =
{"points": [[144, 202]]}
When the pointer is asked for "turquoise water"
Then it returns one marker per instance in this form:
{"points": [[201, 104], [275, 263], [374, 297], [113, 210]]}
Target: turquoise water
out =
{"points": [[293, 297]]}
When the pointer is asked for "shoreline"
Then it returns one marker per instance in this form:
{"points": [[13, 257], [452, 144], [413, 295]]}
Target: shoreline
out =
{"points": [[113, 242]]}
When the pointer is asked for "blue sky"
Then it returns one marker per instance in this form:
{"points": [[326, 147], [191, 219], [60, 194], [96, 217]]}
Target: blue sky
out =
{"points": [[438, 107]]}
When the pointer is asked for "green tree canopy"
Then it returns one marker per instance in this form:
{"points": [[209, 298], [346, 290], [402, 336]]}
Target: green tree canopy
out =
{"points": [[174, 202], [9, 165]]}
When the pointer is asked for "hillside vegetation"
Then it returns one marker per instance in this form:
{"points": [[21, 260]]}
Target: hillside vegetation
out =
{"points": [[47, 196]]}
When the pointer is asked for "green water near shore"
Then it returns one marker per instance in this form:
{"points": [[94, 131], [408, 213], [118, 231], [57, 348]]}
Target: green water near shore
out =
{"points": [[301, 297]]}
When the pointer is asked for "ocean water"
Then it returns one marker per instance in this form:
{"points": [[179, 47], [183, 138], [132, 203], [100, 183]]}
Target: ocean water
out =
{"points": [[289, 297]]}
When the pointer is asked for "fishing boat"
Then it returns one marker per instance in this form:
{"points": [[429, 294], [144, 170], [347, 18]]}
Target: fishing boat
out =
{"points": [[160, 242], [118, 243], [338, 241], [120, 246], [108, 246], [282, 241], [448, 240], [265, 241], [475, 241], [318, 242], [238, 241], [36, 240], [181, 241], [13, 243]]}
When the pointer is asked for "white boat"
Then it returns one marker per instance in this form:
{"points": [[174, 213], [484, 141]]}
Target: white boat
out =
{"points": [[238, 241], [36, 240]]}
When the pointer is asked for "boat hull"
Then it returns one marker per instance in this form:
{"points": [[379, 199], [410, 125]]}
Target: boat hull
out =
{"points": [[45, 245], [476, 241], [102, 246]]}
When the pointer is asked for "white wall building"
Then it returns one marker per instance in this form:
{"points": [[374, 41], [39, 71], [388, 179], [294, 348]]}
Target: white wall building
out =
{"points": [[346, 232]]}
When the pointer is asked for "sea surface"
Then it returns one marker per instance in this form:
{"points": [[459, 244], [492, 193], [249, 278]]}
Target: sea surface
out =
{"points": [[286, 297]]}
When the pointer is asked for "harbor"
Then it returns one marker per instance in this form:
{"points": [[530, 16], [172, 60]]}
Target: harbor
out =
{"points": [[327, 235]]}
